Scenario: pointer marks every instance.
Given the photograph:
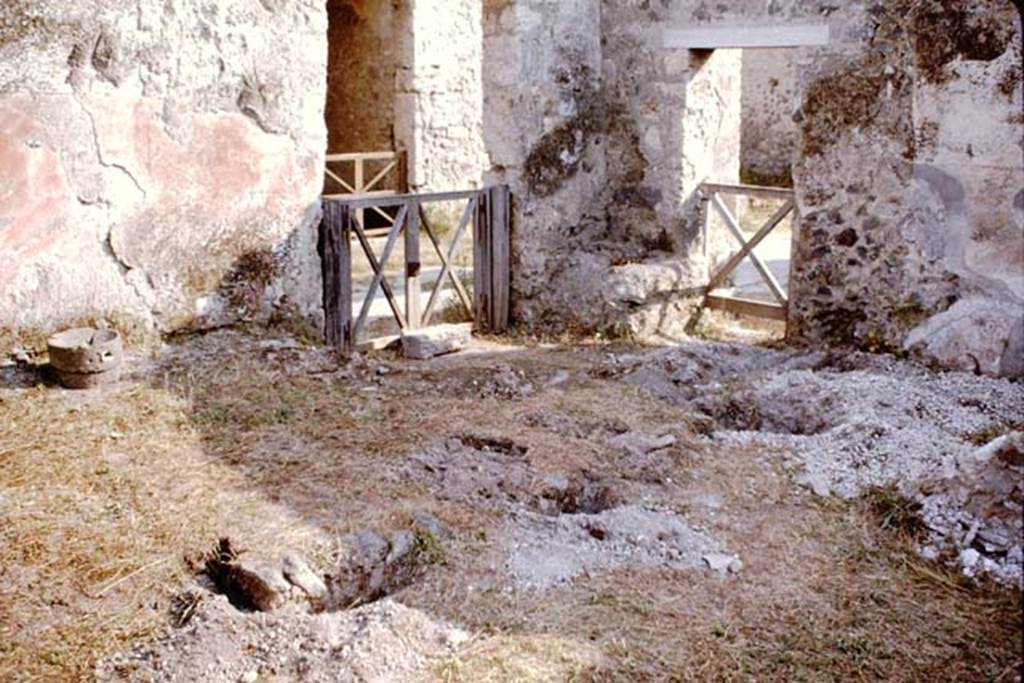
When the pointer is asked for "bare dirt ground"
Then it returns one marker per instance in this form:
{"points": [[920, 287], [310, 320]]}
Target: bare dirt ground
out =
{"points": [[523, 511]]}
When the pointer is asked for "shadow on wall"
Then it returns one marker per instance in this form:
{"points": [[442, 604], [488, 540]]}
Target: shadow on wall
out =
{"points": [[365, 53], [276, 286]]}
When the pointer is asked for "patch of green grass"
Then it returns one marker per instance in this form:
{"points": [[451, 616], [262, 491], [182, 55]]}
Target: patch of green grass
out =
{"points": [[895, 512], [291, 321], [986, 434], [428, 549]]}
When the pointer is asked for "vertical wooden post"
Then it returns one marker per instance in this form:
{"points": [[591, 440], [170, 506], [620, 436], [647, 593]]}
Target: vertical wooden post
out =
{"points": [[500, 212], [491, 260], [334, 246], [794, 256], [359, 183], [403, 172], [413, 307], [705, 206], [482, 263], [348, 334]]}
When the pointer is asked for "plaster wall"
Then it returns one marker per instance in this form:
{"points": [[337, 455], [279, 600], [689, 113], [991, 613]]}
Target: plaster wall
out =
{"points": [[160, 163], [439, 101]]}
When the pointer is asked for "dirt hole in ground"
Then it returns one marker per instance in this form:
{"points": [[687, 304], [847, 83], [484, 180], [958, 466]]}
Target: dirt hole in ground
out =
{"points": [[379, 567], [243, 587], [370, 568], [492, 445], [583, 494]]}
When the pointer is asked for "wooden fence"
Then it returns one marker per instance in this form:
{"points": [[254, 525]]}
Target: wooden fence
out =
{"points": [[488, 211], [711, 194]]}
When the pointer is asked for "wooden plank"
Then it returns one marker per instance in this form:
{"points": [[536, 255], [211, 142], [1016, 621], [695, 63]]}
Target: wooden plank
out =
{"points": [[413, 267], [747, 248], [739, 36], [750, 307], [500, 258], [345, 277], [481, 262], [360, 187], [760, 265], [756, 191], [328, 246], [380, 232], [336, 178], [403, 172], [356, 156], [378, 267], [705, 226], [386, 216], [384, 199], [795, 232], [367, 200], [360, 176], [446, 260], [380, 176]]}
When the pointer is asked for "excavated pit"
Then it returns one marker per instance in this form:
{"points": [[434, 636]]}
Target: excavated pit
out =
{"points": [[846, 425], [559, 528], [369, 567], [581, 494]]}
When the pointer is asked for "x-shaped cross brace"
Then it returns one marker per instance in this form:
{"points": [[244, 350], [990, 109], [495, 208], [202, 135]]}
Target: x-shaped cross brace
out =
{"points": [[747, 247]]}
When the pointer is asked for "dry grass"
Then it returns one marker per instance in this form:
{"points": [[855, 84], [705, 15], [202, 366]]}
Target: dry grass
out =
{"points": [[825, 594], [519, 659], [104, 494], [102, 497]]}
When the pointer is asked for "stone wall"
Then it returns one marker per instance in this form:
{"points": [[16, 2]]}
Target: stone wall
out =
{"points": [[909, 195], [910, 183], [604, 138], [770, 100], [544, 134], [364, 55], [160, 161]]}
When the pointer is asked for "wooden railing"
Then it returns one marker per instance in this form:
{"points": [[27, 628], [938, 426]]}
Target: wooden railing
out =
{"points": [[711, 198], [366, 174], [373, 174], [488, 212]]}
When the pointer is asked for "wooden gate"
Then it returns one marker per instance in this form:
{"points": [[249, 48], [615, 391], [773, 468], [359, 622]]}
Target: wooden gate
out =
{"points": [[486, 210], [711, 198]]}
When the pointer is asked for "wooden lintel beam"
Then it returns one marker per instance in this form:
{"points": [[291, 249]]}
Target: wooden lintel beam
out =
{"points": [[734, 36]]}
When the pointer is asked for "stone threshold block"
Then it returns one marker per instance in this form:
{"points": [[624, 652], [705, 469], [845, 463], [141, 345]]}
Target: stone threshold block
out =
{"points": [[438, 340]]}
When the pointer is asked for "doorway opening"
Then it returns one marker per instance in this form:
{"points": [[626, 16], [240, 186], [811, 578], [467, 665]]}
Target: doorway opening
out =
{"points": [[748, 202], [363, 59], [403, 116]]}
